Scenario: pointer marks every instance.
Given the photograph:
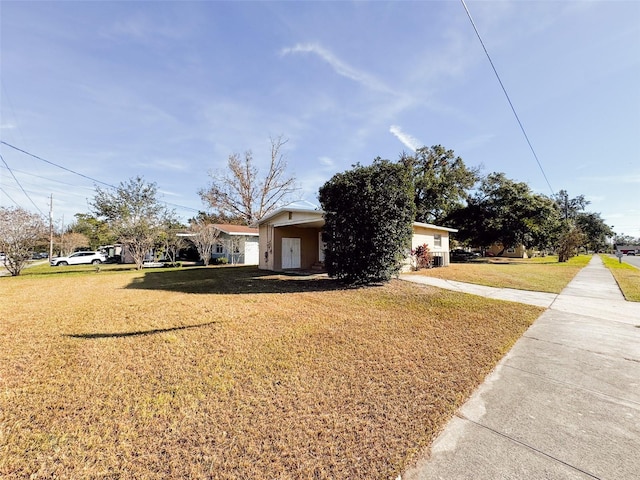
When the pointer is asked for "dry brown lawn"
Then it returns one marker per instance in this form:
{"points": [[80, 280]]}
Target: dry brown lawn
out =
{"points": [[228, 373], [540, 274]]}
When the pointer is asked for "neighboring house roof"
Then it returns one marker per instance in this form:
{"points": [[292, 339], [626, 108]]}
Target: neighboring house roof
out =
{"points": [[241, 230], [627, 247], [236, 229], [434, 227]]}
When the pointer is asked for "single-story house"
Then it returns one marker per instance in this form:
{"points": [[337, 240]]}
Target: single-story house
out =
{"points": [[627, 248], [498, 249], [436, 238], [237, 243], [291, 238]]}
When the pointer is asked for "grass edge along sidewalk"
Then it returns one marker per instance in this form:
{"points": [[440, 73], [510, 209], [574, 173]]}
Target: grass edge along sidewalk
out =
{"points": [[627, 276], [235, 373], [538, 274]]}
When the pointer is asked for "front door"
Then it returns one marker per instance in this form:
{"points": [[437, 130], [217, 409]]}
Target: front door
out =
{"points": [[290, 253]]}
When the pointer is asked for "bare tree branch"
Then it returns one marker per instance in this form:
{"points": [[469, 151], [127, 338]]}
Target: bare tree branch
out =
{"points": [[20, 230], [241, 193], [205, 239]]}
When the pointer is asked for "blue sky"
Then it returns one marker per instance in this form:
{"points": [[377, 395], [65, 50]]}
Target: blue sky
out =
{"points": [[167, 90]]}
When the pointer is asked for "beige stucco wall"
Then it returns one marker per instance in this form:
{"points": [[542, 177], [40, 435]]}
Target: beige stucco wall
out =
{"points": [[518, 252], [424, 235], [276, 228], [265, 247]]}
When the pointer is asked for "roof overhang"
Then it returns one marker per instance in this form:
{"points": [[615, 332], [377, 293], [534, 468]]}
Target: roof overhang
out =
{"points": [[308, 223], [277, 212], [430, 226]]}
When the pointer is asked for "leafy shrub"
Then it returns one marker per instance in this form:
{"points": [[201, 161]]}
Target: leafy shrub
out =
{"points": [[422, 257], [368, 222]]}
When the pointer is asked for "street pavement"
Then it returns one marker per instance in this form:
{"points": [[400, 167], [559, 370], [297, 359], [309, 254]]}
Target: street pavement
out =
{"points": [[564, 403]]}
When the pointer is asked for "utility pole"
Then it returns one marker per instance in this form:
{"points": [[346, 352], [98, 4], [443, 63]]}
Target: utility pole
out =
{"points": [[51, 227]]}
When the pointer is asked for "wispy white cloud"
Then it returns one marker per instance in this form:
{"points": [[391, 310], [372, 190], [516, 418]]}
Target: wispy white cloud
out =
{"points": [[614, 179], [326, 162], [339, 66], [407, 140], [143, 28], [165, 165]]}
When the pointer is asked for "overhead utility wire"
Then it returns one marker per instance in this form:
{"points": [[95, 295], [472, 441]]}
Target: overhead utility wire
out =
{"points": [[9, 196], [48, 179], [21, 188], [82, 175], [507, 95], [55, 164]]}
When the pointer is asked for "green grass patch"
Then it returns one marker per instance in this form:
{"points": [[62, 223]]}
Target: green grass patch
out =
{"points": [[627, 276], [539, 274], [234, 373]]}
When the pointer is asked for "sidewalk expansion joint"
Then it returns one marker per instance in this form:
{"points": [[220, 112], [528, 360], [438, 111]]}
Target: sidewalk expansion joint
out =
{"points": [[527, 446], [595, 352], [575, 386]]}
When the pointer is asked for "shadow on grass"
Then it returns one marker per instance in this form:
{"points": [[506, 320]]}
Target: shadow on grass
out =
{"points": [[135, 334], [233, 280]]}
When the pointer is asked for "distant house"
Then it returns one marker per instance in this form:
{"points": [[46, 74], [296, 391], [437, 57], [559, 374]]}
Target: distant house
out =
{"points": [[627, 248], [291, 238], [436, 238], [497, 249], [237, 243]]}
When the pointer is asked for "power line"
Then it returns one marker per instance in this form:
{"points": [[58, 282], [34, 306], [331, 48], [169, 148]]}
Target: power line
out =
{"points": [[508, 99], [83, 175], [56, 165], [48, 179], [23, 190], [9, 196]]}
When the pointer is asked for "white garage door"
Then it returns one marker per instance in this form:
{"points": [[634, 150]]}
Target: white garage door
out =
{"points": [[251, 252]]}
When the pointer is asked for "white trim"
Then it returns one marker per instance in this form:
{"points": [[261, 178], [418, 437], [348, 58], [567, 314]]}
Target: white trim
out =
{"points": [[268, 217], [434, 227]]}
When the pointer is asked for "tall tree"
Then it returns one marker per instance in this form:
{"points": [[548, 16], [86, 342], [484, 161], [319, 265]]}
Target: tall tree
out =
{"points": [[596, 231], [622, 239], [20, 232], [570, 207], [134, 214], [369, 213], [505, 211], [441, 182], [96, 230], [241, 192], [69, 242], [216, 217]]}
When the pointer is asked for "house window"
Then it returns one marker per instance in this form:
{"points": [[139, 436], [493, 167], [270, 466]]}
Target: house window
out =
{"points": [[219, 248], [511, 250], [437, 240]]}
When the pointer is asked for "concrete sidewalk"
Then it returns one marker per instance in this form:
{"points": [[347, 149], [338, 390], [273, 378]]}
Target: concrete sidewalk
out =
{"points": [[564, 403]]}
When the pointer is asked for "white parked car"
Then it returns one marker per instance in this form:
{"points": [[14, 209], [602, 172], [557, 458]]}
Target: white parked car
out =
{"points": [[79, 258]]}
